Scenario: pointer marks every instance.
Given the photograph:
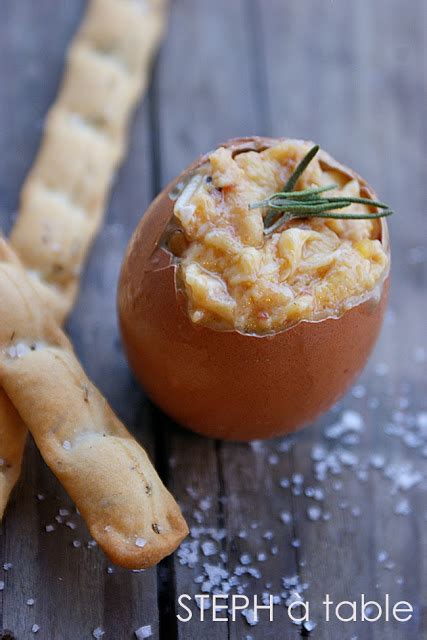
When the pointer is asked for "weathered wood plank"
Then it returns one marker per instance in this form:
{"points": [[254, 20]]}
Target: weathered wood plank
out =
{"points": [[261, 528], [204, 86], [404, 140], [74, 588], [345, 87], [205, 90], [31, 64], [328, 76]]}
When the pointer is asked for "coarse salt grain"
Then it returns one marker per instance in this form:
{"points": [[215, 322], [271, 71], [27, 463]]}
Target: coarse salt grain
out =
{"points": [[49, 528], [143, 632], [381, 369], [1, 585], [30, 602], [382, 556], [297, 478], [35, 628], [205, 504], [245, 559], [309, 625], [314, 513], [352, 420], [402, 508], [66, 445], [98, 633], [140, 542], [403, 476], [318, 494], [251, 617], [377, 461], [286, 517], [209, 548], [18, 351], [358, 391]]}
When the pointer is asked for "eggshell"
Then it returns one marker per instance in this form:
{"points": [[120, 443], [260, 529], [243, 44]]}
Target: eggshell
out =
{"points": [[226, 384]]}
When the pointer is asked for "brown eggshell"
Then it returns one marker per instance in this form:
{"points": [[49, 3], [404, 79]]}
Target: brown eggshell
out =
{"points": [[226, 384]]}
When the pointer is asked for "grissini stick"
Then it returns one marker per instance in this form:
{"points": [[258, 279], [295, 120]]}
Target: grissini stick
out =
{"points": [[64, 197], [13, 434], [107, 473]]}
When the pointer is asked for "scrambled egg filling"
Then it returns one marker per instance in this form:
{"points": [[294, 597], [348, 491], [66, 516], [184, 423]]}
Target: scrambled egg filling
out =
{"points": [[235, 277]]}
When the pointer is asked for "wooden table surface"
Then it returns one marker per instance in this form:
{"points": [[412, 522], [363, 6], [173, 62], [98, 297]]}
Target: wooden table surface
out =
{"points": [[338, 509]]}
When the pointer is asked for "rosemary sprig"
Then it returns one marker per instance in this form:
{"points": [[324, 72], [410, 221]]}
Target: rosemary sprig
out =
{"points": [[311, 203]]}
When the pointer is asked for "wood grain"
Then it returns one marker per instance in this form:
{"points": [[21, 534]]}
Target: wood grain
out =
{"points": [[202, 100], [357, 103], [353, 77], [73, 591]]}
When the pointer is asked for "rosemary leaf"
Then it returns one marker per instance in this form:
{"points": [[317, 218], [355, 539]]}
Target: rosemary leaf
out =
{"points": [[310, 203], [302, 166], [326, 214], [295, 195]]}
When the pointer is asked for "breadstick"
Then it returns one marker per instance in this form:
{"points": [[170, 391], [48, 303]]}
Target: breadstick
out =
{"points": [[106, 472], [12, 441], [64, 197]]}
